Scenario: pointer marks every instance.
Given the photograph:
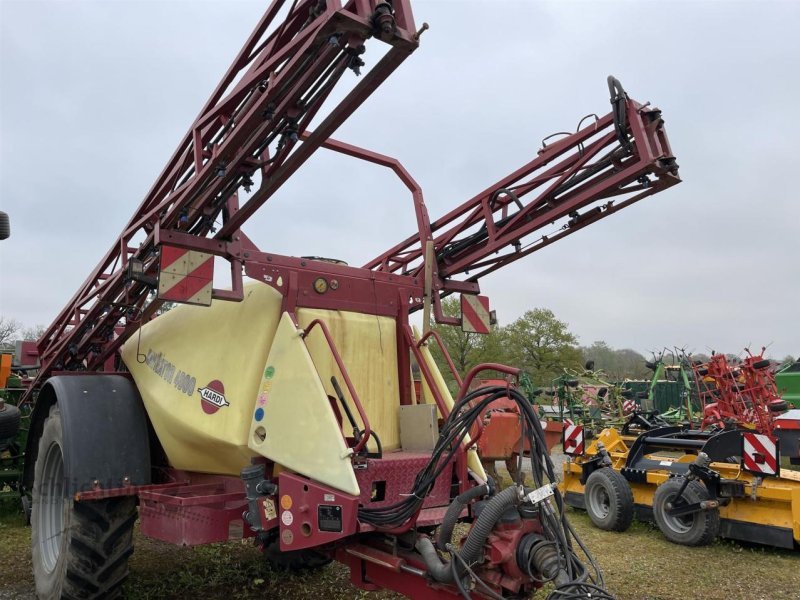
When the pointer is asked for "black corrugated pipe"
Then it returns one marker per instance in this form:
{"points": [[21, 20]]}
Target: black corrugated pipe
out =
{"points": [[453, 512], [471, 551]]}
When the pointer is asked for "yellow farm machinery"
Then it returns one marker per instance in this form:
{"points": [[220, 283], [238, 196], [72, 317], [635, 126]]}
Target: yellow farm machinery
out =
{"points": [[696, 485]]}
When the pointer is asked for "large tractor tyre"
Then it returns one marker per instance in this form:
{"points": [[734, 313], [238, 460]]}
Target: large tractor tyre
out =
{"points": [[609, 500], [9, 423], [696, 529], [295, 560], [79, 549]]}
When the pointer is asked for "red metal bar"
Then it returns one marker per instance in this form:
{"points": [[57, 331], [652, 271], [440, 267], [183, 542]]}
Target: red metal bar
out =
{"points": [[340, 363], [420, 210], [435, 335], [485, 367], [426, 372], [131, 490]]}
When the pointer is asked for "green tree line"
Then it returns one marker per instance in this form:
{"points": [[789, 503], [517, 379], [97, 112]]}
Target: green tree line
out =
{"points": [[538, 343]]}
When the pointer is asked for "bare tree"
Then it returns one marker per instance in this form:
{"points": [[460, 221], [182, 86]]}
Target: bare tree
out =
{"points": [[33, 333], [8, 330]]}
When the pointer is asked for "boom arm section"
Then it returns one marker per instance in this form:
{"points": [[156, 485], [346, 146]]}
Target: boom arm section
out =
{"points": [[250, 127], [604, 166]]}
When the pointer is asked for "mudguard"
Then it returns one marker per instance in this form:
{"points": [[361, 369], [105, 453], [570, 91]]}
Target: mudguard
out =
{"points": [[106, 441]]}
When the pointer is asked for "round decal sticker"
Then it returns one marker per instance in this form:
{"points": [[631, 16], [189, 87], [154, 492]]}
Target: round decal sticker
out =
{"points": [[287, 518]]}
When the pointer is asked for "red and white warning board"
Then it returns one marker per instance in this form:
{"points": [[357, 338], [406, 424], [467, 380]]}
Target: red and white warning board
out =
{"points": [[185, 276], [475, 316], [573, 439], [760, 454]]}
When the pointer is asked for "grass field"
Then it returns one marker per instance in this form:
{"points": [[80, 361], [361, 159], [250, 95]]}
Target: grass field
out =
{"points": [[638, 565]]}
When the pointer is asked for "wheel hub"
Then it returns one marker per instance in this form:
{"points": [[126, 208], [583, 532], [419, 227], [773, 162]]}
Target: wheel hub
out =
{"points": [[52, 502]]}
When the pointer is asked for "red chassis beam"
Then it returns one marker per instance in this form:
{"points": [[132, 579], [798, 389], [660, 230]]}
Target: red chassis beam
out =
{"points": [[196, 508]]}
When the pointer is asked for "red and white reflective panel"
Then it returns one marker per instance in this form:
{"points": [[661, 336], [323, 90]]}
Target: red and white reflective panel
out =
{"points": [[573, 440], [760, 454], [185, 276], [628, 406], [475, 314]]}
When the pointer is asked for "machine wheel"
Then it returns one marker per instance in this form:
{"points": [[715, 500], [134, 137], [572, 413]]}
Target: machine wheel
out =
{"points": [[295, 560], [609, 500], [762, 364], [9, 422], [79, 549], [697, 529], [779, 406]]}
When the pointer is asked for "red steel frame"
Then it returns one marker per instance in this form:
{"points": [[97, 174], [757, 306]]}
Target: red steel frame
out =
{"points": [[251, 124]]}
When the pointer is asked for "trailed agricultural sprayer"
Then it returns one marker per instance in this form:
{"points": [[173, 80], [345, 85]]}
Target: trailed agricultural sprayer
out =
{"points": [[282, 409]]}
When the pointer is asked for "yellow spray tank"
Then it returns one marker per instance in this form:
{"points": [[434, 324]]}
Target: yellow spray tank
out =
{"points": [[218, 397]]}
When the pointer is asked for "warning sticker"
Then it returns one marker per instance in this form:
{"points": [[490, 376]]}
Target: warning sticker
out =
{"points": [[269, 509]]}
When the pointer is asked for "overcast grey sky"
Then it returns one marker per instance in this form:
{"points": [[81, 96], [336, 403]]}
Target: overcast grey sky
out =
{"points": [[94, 97]]}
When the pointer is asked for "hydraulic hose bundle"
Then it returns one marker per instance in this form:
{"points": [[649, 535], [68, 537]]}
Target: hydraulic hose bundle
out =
{"points": [[573, 580]]}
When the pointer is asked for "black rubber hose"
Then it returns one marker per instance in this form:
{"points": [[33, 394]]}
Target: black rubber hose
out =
{"points": [[440, 571], [453, 512], [472, 549]]}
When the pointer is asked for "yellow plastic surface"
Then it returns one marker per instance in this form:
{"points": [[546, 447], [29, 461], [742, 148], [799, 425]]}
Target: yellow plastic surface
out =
{"points": [[367, 345], [189, 347], [473, 460], [293, 423]]}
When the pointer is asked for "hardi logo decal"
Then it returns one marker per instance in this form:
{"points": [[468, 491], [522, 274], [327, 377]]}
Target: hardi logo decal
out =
{"points": [[212, 397]]}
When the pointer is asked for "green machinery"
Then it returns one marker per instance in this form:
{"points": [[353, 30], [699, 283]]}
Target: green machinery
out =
{"points": [[13, 436], [588, 399], [787, 380], [670, 392]]}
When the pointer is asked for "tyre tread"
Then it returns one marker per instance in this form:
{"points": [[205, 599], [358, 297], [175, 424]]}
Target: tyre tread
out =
{"points": [[99, 541], [710, 520], [622, 498], [106, 555]]}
